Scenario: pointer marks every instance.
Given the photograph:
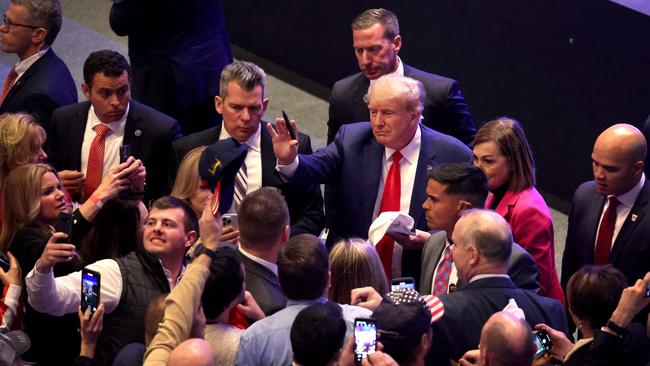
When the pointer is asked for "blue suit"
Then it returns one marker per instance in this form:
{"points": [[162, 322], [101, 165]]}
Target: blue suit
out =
{"points": [[353, 164]]}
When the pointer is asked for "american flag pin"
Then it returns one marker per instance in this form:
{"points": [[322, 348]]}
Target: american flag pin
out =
{"points": [[634, 217]]}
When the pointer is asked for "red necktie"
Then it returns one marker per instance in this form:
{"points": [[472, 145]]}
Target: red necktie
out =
{"points": [[96, 160], [441, 282], [390, 202], [606, 233], [9, 82]]}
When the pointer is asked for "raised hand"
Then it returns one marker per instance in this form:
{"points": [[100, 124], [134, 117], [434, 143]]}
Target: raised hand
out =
{"points": [[285, 149]]}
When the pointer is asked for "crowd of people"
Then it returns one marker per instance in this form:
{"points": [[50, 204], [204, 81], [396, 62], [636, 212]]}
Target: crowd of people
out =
{"points": [[219, 247]]}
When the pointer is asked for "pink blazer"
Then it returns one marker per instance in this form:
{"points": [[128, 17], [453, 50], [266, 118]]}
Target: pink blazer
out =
{"points": [[532, 228]]}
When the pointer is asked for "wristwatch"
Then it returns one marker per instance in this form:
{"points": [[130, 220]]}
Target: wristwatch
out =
{"points": [[202, 249], [620, 331]]}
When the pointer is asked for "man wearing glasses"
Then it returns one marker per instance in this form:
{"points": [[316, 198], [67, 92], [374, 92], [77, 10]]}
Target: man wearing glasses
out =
{"points": [[40, 82]]}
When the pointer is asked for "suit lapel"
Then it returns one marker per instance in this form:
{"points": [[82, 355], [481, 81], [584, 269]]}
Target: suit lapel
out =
{"points": [[633, 219], [362, 89], [133, 129], [592, 219], [431, 256], [76, 128], [427, 154], [26, 76], [373, 155], [507, 202]]}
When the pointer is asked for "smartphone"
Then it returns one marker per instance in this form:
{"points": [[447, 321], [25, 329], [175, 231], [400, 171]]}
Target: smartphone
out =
{"points": [[292, 133], [543, 341], [647, 291], [64, 224], [365, 337], [230, 219], [4, 262], [402, 282], [125, 152], [90, 285]]}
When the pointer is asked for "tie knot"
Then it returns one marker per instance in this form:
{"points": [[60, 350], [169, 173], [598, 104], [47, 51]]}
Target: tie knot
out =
{"points": [[614, 202], [448, 254], [397, 156], [102, 130]]}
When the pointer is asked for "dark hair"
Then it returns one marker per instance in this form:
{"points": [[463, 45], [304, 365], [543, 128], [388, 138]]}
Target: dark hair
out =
{"points": [[224, 284], [317, 334], [508, 135], [303, 267], [190, 221], [46, 14], [462, 179], [381, 16], [107, 62], [117, 230], [593, 293], [263, 215]]}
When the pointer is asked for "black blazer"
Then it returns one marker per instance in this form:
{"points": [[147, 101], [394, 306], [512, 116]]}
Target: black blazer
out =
{"points": [[445, 109], [264, 286], [305, 201], [149, 133], [44, 87], [467, 310], [521, 268], [631, 251]]}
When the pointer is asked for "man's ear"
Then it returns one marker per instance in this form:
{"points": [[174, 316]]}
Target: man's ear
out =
{"points": [[190, 238], [265, 104], [638, 167], [397, 43], [85, 88], [218, 104], [38, 37], [463, 206]]}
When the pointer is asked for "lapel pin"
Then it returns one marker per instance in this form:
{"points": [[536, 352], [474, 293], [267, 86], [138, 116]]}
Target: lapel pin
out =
{"points": [[634, 217], [138, 133]]}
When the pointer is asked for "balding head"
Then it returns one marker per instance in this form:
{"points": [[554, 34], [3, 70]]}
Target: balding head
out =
{"points": [[194, 351], [482, 244], [618, 159], [507, 341]]}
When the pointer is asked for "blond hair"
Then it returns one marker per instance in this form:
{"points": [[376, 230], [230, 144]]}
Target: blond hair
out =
{"points": [[187, 179], [20, 139]]}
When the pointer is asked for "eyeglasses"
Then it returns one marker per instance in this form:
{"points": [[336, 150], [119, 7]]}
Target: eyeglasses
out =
{"points": [[10, 24]]}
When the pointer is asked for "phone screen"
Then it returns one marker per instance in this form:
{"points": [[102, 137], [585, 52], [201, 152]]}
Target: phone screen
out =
{"points": [[400, 283], [543, 342], [365, 335], [90, 282], [125, 152]]}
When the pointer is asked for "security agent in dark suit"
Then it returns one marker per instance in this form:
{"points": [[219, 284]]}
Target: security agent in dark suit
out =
{"points": [[148, 132], [618, 161], [481, 250], [376, 41], [452, 189], [43, 80], [242, 104]]}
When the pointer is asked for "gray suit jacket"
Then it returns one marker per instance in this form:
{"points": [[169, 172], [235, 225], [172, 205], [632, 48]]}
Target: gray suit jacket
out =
{"points": [[522, 268], [264, 286]]}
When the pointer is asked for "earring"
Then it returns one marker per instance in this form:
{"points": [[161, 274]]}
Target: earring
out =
{"points": [[579, 324]]}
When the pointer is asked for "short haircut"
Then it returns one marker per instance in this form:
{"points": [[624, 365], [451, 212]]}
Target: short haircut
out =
{"points": [[20, 139], [190, 221], [489, 233], [303, 267], [508, 349], [108, 62], [462, 179], [408, 90], [153, 316], [593, 293], [44, 13], [381, 16], [262, 215], [225, 282], [508, 135], [317, 334], [246, 74], [355, 263], [188, 179]]}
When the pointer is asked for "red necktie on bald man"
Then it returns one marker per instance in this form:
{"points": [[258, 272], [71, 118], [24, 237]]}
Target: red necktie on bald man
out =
{"points": [[606, 233], [390, 201], [95, 168]]}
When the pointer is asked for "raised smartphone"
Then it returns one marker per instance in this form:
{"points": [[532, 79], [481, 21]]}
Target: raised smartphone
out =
{"points": [[402, 282], [90, 287], [365, 337], [543, 342]]}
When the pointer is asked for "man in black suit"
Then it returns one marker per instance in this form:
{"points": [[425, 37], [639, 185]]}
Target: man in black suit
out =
{"points": [[376, 41], [452, 189], [40, 82], [75, 128], [263, 229], [242, 104], [481, 250], [617, 161]]}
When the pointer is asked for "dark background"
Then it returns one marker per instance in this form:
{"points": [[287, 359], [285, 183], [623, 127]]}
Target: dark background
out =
{"points": [[565, 69]]}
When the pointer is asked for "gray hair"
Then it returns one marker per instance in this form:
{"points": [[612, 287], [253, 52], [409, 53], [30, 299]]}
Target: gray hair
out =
{"points": [[411, 91], [46, 14], [246, 74], [489, 233], [381, 16]]}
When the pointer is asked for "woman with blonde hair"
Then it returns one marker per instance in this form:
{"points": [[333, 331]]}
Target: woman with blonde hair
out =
{"points": [[188, 185], [355, 263], [502, 152], [21, 142]]}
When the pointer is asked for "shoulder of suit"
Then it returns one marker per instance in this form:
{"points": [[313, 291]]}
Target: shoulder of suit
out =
{"points": [[137, 109], [346, 81], [67, 110], [425, 76], [441, 139]]}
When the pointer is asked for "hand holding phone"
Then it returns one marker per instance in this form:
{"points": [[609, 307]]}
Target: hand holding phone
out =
{"points": [[125, 152], [64, 225], [90, 290], [365, 338], [292, 133], [543, 342]]}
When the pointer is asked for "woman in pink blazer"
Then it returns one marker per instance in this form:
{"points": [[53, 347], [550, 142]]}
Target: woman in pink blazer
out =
{"points": [[502, 152]]}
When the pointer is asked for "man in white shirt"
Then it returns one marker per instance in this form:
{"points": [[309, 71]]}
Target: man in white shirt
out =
{"points": [[128, 283], [40, 82]]}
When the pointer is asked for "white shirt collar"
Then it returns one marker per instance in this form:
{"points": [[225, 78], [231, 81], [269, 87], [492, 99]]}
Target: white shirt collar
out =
{"points": [[253, 142], [482, 276], [411, 151], [168, 274], [23, 65], [270, 265], [117, 127], [628, 198]]}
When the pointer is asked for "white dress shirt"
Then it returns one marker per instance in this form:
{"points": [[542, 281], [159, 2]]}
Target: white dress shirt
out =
{"points": [[253, 159], [112, 141], [25, 64], [626, 200]]}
